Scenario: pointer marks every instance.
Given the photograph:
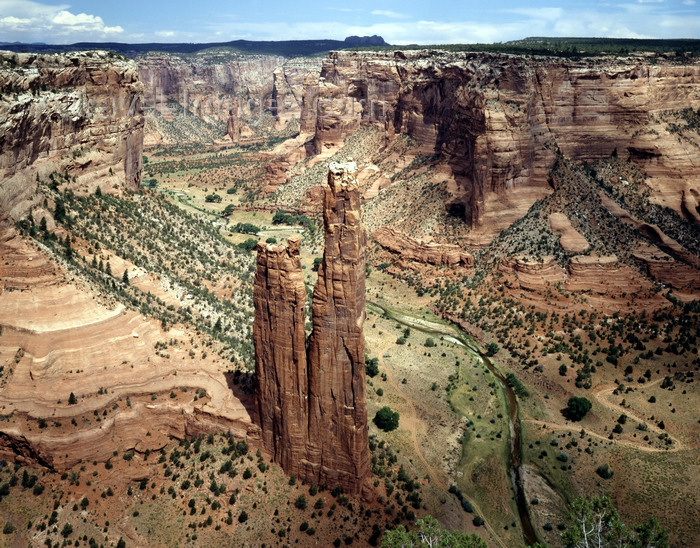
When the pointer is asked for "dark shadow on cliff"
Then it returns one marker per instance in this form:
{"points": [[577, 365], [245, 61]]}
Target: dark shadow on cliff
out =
{"points": [[243, 387]]}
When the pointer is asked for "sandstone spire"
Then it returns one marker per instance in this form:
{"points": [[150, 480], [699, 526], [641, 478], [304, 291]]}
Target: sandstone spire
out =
{"points": [[311, 408], [280, 352], [338, 452]]}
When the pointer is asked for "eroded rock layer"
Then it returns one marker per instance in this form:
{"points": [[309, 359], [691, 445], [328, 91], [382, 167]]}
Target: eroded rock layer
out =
{"points": [[338, 450], [431, 253], [79, 112], [312, 410], [496, 120], [280, 352]]}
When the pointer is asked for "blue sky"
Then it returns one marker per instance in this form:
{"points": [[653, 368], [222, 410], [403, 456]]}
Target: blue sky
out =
{"points": [[404, 22]]}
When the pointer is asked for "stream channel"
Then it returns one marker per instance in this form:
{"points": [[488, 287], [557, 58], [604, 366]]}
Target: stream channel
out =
{"points": [[453, 334]]}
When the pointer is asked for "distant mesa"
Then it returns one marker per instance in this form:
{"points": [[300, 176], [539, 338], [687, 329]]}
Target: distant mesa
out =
{"points": [[286, 48], [374, 40]]}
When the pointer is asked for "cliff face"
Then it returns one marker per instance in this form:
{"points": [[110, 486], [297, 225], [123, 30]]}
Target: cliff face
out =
{"points": [[292, 82], [77, 112], [496, 119], [281, 407], [338, 448], [312, 410], [224, 90]]}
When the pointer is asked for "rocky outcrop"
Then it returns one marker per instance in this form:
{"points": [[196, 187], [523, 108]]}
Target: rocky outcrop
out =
{"points": [[78, 113], [569, 238], [338, 451], [532, 274], [311, 407], [431, 253], [281, 402], [603, 275], [662, 267], [497, 119]]}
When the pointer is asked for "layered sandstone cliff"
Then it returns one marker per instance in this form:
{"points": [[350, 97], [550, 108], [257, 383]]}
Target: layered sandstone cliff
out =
{"points": [[311, 407], [431, 253], [496, 119], [78, 113], [223, 93]]}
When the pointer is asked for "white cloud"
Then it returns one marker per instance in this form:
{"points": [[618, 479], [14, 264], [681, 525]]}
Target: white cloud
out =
{"points": [[688, 2], [390, 14], [28, 21], [539, 13], [165, 33]]}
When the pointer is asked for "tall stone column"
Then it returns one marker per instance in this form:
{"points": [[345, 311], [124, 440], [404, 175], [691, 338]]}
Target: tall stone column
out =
{"points": [[310, 404], [281, 388], [338, 451]]}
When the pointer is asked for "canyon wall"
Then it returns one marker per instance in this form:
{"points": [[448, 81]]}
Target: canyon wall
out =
{"points": [[208, 95], [496, 120], [311, 407], [78, 112]]}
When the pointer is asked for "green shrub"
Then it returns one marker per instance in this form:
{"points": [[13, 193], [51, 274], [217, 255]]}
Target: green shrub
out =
{"points": [[386, 419], [249, 245], [301, 502], [371, 366], [576, 408], [604, 471], [492, 349]]}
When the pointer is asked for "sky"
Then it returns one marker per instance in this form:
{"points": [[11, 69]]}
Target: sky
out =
{"points": [[398, 22]]}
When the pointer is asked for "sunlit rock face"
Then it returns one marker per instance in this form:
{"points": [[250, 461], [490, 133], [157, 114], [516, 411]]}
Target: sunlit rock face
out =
{"points": [[75, 112], [311, 407], [498, 120]]}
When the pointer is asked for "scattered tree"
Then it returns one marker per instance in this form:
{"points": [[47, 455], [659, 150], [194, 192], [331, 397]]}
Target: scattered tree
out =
{"points": [[576, 408], [492, 349], [371, 366], [596, 522], [386, 419], [429, 532]]}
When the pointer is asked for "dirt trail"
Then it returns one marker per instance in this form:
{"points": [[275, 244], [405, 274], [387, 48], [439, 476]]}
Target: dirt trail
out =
{"points": [[411, 424], [600, 393]]}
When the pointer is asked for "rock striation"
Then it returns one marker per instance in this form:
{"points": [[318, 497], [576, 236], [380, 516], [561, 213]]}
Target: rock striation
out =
{"points": [[431, 253], [79, 112], [338, 451], [496, 120], [281, 402], [311, 406]]}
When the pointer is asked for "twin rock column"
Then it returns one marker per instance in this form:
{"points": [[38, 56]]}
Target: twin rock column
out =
{"points": [[310, 402]]}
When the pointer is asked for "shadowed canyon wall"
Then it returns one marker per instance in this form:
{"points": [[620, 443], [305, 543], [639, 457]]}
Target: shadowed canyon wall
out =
{"points": [[497, 119], [78, 111], [311, 407]]}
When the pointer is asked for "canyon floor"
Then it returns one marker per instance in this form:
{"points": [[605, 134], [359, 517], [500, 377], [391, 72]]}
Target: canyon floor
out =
{"points": [[126, 360]]}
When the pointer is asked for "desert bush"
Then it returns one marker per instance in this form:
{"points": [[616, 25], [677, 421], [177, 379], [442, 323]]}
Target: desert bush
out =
{"points": [[386, 419], [576, 408]]}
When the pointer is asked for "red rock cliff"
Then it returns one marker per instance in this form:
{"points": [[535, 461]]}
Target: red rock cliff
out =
{"points": [[280, 353], [312, 411], [338, 448], [494, 119], [78, 112]]}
